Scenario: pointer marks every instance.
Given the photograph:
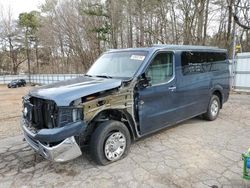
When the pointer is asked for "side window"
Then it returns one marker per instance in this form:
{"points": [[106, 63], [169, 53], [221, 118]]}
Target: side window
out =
{"points": [[218, 61], [192, 62], [161, 68], [200, 62]]}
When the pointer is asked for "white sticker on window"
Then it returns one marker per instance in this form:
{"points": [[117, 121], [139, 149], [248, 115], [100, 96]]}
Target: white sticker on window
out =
{"points": [[137, 57]]}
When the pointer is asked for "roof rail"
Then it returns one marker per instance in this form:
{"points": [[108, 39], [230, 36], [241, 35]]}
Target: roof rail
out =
{"points": [[184, 46]]}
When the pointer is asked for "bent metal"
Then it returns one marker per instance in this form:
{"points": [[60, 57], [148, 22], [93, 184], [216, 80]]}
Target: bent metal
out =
{"points": [[125, 95]]}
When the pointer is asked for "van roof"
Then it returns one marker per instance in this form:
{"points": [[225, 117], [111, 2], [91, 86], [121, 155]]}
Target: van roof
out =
{"points": [[172, 47]]}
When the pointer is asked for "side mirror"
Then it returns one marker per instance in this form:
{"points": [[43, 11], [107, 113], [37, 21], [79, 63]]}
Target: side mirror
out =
{"points": [[144, 81]]}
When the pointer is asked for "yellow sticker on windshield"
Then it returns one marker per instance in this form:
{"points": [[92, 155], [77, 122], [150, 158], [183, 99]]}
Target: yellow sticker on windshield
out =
{"points": [[137, 57]]}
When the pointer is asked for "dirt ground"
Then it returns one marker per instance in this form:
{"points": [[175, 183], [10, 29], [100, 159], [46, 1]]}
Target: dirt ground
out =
{"points": [[10, 110], [195, 153]]}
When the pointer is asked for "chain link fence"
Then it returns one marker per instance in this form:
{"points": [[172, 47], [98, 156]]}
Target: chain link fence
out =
{"points": [[42, 79]]}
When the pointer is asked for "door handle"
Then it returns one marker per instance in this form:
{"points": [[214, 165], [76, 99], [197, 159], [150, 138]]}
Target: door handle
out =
{"points": [[141, 102], [172, 88]]}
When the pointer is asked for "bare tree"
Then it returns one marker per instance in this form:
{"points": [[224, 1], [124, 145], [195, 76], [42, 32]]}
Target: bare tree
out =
{"points": [[10, 34], [73, 33]]}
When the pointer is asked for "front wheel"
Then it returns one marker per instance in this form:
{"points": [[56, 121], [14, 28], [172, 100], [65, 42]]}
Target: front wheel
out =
{"points": [[110, 142], [213, 108]]}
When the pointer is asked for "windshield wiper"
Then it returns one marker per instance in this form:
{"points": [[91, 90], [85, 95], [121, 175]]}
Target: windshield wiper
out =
{"points": [[103, 76]]}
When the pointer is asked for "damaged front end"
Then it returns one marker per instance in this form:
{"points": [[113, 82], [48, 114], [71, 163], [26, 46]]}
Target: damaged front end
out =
{"points": [[52, 131]]}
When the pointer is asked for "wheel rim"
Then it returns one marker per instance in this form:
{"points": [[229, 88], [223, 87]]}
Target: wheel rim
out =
{"points": [[115, 146], [214, 107]]}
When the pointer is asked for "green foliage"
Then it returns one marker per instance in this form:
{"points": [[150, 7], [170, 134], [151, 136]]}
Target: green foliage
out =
{"points": [[29, 20], [99, 11], [95, 10], [102, 33]]}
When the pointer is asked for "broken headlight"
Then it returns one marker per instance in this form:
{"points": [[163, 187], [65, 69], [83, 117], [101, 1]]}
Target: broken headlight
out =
{"points": [[76, 114], [70, 115]]}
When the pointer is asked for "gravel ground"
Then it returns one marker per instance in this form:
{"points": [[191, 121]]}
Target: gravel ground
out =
{"points": [[195, 153]]}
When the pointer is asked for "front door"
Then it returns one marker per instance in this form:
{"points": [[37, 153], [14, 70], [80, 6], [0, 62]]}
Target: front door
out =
{"points": [[157, 104]]}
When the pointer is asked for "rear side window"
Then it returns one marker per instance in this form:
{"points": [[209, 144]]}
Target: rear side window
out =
{"points": [[200, 62], [218, 61]]}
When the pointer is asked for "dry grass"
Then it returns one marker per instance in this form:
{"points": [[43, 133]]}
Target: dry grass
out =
{"points": [[10, 110]]}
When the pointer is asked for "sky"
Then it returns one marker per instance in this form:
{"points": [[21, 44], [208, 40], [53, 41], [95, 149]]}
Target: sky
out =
{"points": [[19, 6]]}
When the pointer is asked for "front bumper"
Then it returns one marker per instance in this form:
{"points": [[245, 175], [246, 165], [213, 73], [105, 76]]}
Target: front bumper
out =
{"points": [[65, 150]]}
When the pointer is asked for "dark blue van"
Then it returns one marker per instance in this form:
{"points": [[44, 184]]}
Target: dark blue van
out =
{"points": [[126, 94]]}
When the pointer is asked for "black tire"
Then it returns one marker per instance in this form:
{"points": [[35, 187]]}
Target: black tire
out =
{"points": [[99, 137], [210, 115]]}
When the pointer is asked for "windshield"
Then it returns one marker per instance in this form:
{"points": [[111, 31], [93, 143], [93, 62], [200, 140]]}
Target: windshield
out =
{"points": [[117, 64]]}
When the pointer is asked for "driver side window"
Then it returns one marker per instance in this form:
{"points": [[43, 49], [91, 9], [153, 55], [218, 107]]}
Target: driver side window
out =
{"points": [[161, 68]]}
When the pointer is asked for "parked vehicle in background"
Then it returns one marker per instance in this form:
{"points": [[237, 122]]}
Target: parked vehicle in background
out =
{"points": [[17, 83], [126, 94]]}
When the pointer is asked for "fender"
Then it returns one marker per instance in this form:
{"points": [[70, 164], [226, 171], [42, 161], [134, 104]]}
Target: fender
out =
{"points": [[216, 87], [131, 123], [220, 89]]}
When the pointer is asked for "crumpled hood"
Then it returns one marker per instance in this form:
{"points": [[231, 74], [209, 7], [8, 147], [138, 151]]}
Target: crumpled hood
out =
{"points": [[64, 92]]}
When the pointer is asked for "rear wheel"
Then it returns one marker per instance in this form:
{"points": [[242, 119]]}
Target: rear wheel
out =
{"points": [[213, 108], [110, 142]]}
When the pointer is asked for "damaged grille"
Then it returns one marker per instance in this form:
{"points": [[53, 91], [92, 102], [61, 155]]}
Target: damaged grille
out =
{"points": [[40, 113]]}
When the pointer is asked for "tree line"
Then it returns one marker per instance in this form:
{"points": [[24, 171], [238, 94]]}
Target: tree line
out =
{"points": [[67, 36]]}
